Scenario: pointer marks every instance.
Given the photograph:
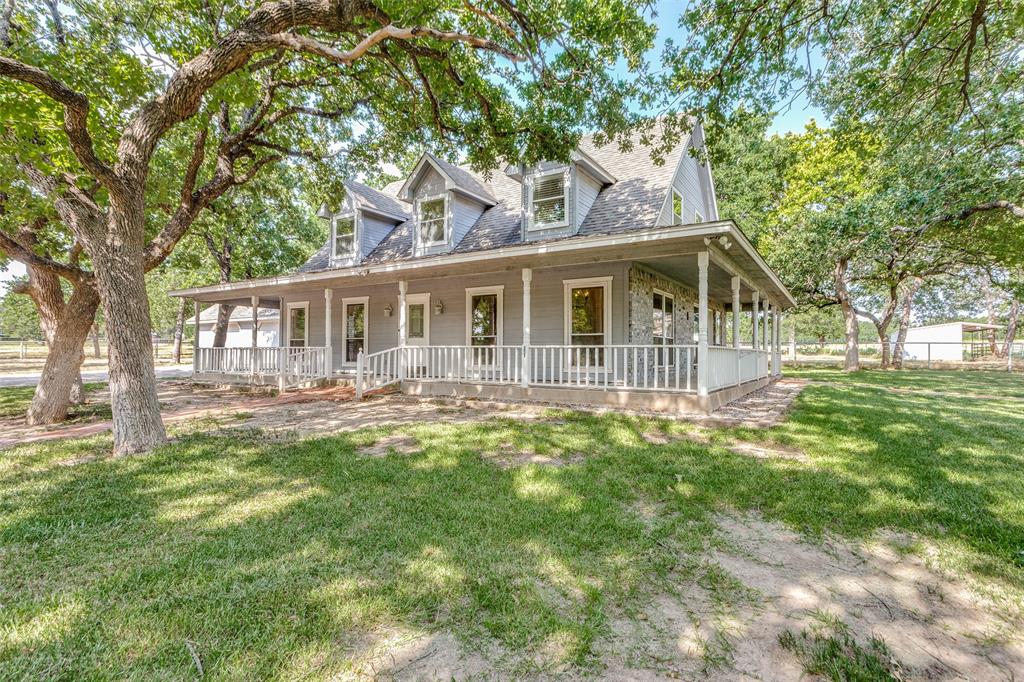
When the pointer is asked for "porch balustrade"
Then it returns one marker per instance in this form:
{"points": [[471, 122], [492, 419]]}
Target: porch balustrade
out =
{"points": [[301, 365]]}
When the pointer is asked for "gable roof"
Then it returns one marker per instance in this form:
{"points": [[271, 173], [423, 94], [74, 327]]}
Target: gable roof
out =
{"points": [[376, 201], [633, 202], [456, 177], [241, 313]]}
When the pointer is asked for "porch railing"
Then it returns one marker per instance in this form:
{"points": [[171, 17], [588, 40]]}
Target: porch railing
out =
{"points": [[729, 366], [377, 370], [300, 365]]}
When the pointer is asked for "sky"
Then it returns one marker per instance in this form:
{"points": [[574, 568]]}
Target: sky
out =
{"points": [[793, 119]]}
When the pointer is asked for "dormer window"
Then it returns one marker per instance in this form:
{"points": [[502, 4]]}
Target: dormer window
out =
{"points": [[432, 221], [344, 236], [549, 200], [677, 207]]}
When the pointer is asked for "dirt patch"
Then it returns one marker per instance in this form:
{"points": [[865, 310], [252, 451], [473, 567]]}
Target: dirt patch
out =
{"points": [[936, 627], [508, 457], [396, 443]]}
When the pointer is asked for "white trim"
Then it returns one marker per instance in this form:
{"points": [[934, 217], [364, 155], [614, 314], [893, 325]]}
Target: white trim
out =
{"points": [[654, 234], [567, 286], [531, 224], [498, 289], [445, 227], [354, 215], [677, 218], [345, 302], [416, 299], [697, 217], [449, 181], [289, 306]]}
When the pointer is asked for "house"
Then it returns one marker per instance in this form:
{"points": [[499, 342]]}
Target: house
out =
{"points": [[240, 326], [948, 341], [606, 279]]}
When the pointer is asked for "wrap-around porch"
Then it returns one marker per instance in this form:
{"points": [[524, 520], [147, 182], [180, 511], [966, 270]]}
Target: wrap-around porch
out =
{"points": [[622, 343]]}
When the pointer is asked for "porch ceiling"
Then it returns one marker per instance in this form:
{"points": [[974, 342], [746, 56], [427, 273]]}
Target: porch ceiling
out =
{"points": [[683, 269]]}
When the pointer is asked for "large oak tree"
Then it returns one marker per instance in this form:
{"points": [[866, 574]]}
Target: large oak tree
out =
{"points": [[246, 86]]}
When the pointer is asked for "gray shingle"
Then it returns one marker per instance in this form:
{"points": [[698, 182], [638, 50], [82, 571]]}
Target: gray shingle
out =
{"points": [[633, 202], [377, 200]]}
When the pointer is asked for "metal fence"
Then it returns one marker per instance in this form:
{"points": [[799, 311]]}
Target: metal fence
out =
{"points": [[929, 354], [34, 349]]}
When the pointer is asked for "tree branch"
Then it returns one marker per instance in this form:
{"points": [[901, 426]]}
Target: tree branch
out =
{"points": [[76, 115]]}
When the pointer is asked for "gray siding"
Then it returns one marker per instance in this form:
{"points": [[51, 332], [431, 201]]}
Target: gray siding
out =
{"points": [[464, 214], [449, 328], [586, 190], [693, 181], [372, 230]]}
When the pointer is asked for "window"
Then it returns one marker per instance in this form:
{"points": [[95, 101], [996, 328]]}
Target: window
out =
{"points": [[297, 327], [355, 327], [550, 200], [344, 236], [484, 322], [697, 217], [664, 325], [417, 321], [432, 221], [677, 207], [587, 318]]}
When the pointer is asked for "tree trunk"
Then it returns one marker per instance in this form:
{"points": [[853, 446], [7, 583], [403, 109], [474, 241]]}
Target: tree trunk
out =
{"points": [[95, 342], [179, 332], [990, 309], [61, 381], [118, 262], [901, 335], [851, 362], [1011, 328], [220, 330]]}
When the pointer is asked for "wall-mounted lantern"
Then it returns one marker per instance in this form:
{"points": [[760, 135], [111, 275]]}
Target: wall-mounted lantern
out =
{"points": [[388, 310], [439, 308]]}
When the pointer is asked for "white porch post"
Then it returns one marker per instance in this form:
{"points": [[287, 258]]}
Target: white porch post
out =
{"points": [[195, 339], [736, 312], [764, 324], [755, 310], [777, 329], [403, 326], [282, 343], [527, 279], [254, 302], [702, 324], [328, 334]]}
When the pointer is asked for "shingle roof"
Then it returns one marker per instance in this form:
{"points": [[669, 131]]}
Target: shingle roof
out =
{"points": [[633, 202], [377, 200], [463, 177]]}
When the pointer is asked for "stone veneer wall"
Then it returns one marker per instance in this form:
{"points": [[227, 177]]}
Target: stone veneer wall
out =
{"points": [[642, 283]]}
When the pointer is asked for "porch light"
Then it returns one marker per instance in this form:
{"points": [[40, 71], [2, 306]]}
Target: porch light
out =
{"points": [[388, 310], [439, 308]]}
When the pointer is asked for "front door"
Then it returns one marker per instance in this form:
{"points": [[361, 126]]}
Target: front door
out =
{"points": [[354, 329], [417, 319]]}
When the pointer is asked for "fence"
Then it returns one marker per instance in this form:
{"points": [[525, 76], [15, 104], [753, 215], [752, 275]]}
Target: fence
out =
{"points": [[35, 350], [929, 354]]}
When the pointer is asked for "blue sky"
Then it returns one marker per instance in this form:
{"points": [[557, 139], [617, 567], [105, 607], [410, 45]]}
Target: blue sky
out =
{"points": [[792, 119]]}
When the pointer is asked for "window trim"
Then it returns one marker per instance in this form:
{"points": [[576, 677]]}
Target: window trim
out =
{"points": [[445, 234], [335, 256], [697, 217], [677, 218], [345, 302], [294, 305], [531, 224], [417, 299], [498, 289], [664, 294]]}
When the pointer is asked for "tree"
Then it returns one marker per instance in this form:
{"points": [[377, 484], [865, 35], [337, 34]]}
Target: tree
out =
{"points": [[18, 317], [505, 81]]}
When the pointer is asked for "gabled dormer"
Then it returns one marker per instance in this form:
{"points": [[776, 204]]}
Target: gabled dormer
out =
{"points": [[365, 217], [556, 197], [446, 200]]}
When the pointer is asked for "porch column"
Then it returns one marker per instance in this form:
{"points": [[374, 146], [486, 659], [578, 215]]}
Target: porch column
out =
{"points": [[403, 326], [776, 358], [702, 324], [527, 280], [254, 302], [282, 343], [328, 333], [764, 325], [195, 339], [735, 312], [755, 310]]}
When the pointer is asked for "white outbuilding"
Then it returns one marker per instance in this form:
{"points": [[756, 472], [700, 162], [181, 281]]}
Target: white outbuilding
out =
{"points": [[948, 341], [239, 327]]}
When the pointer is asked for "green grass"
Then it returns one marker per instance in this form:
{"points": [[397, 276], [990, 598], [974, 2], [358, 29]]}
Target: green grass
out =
{"points": [[14, 402], [832, 652], [281, 560]]}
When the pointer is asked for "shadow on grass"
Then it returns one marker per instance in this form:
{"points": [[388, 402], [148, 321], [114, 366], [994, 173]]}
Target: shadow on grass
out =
{"points": [[288, 559]]}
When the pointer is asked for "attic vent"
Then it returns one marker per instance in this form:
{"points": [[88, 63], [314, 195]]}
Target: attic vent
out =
{"points": [[549, 200]]}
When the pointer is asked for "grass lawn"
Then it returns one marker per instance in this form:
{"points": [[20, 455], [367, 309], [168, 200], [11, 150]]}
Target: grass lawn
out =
{"points": [[14, 402], [284, 559]]}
